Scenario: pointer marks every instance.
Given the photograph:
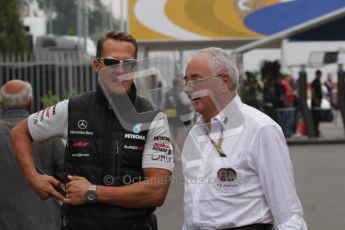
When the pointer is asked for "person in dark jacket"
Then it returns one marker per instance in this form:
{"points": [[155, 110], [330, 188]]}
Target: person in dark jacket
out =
{"points": [[20, 207], [116, 172], [316, 97], [179, 110]]}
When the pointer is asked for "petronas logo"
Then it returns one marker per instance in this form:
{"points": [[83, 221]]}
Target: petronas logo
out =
{"points": [[137, 128]]}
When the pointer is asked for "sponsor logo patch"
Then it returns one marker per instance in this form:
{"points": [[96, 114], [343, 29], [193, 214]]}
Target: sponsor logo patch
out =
{"points": [[133, 147], [36, 118], [87, 133], [80, 144], [42, 115], [54, 110], [80, 154], [161, 138], [82, 124], [47, 112], [137, 128], [134, 136], [162, 147], [160, 157]]}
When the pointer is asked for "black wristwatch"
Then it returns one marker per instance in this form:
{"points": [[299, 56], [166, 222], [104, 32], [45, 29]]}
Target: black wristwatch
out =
{"points": [[91, 195]]}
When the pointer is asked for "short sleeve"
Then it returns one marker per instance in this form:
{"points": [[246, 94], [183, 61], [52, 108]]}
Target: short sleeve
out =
{"points": [[50, 122], [158, 152]]}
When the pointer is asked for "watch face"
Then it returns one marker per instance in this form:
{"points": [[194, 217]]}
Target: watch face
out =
{"points": [[91, 196]]}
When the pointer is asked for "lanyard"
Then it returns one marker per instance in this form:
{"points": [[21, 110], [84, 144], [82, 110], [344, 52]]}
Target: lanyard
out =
{"points": [[218, 144]]}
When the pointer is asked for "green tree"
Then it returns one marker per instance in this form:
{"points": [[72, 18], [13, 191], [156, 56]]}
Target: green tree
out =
{"points": [[49, 99], [12, 34], [251, 90]]}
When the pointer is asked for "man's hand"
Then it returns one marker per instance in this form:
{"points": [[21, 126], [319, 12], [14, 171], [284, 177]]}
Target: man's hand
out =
{"points": [[45, 185], [76, 190]]}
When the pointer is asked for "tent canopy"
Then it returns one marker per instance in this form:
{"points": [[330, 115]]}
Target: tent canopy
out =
{"points": [[328, 27]]}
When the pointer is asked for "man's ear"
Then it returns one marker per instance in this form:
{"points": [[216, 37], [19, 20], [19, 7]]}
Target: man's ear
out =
{"points": [[96, 65], [226, 78], [29, 105]]}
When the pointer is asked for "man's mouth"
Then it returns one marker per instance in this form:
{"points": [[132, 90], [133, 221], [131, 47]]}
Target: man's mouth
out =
{"points": [[197, 95]]}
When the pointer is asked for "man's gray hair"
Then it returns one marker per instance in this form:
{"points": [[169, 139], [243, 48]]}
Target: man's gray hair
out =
{"points": [[16, 100], [221, 62]]}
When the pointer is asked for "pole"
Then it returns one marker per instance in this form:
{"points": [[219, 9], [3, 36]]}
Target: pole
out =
{"points": [[307, 117], [122, 26], [82, 25], [341, 92], [110, 14], [50, 30], [86, 25], [79, 23]]}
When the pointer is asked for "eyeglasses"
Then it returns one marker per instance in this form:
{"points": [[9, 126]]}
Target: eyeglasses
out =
{"points": [[197, 80], [128, 63]]}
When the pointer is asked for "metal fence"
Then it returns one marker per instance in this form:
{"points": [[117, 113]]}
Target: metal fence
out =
{"points": [[65, 72], [61, 73]]}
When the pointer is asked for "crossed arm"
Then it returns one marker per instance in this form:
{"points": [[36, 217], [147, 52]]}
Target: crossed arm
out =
{"points": [[148, 193]]}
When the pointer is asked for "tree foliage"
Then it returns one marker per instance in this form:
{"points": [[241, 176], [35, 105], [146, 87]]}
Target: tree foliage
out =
{"points": [[12, 33], [251, 90]]}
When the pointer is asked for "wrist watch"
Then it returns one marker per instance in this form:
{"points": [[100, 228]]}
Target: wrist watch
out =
{"points": [[91, 195]]}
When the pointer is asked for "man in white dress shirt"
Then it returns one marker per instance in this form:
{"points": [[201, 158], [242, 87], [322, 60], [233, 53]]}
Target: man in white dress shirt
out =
{"points": [[236, 164]]}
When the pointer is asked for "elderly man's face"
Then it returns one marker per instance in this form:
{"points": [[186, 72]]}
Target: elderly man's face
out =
{"points": [[115, 79], [202, 85]]}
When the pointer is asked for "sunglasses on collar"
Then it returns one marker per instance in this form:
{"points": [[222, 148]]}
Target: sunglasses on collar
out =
{"points": [[129, 64]]}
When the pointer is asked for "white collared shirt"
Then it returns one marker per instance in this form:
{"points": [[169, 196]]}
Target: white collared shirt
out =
{"points": [[253, 184]]}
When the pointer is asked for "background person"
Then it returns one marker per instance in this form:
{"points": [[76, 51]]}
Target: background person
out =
{"points": [[20, 207], [316, 98], [238, 153], [116, 177], [179, 110], [329, 88]]}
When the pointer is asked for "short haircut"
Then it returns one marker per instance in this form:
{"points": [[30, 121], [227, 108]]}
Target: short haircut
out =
{"points": [[318, 72], [117, 36], [16, 100], [221, 62]]}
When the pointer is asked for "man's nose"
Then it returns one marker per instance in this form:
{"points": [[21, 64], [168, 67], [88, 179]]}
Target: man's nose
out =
{"points": [[122, 73], [187, 87], [120, 69]]}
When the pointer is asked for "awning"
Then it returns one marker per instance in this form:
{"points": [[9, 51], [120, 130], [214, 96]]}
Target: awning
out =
{"points": [[329, 27]]}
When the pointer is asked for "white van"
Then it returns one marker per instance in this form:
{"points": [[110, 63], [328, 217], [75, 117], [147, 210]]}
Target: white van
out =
{"points": [[63, 48]]}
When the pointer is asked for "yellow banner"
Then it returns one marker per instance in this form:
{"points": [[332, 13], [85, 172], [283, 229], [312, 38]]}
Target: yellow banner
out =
{"points": [[192, 19]]}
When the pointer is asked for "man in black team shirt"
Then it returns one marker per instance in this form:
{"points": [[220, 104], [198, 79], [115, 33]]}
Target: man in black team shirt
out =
{"points": [[115, 176]]}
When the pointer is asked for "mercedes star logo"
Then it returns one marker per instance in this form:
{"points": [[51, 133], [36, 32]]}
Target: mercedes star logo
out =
{"points": [[82, 124]]}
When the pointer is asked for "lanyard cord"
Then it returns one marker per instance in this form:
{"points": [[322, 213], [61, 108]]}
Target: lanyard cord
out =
{"points": [[218, 144]]}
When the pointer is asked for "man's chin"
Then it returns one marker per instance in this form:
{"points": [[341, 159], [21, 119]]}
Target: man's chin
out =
{"points": [[119, 90], [197, 103]]}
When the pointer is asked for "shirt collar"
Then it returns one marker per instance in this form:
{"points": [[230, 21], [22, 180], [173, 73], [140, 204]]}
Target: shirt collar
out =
{"points": [[101, 98], [224, 115]]}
